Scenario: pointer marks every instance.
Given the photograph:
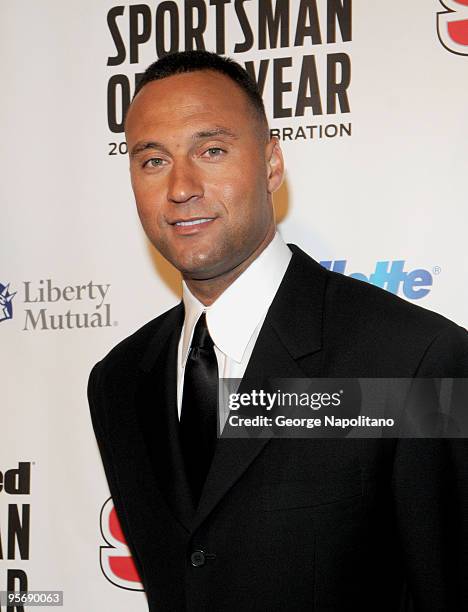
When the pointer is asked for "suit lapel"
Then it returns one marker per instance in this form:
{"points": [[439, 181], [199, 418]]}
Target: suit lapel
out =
{"points": [[156, 405], [288, 347]]}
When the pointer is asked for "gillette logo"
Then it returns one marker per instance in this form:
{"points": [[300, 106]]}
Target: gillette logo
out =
{"points": [[391, 275]]}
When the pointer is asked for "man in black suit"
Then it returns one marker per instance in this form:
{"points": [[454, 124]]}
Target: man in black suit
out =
{"points": [[265, 524]]}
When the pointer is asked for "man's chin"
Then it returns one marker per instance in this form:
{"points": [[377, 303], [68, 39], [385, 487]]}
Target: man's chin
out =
{"points": [[202, 261], [201, 266], [198, 273]]}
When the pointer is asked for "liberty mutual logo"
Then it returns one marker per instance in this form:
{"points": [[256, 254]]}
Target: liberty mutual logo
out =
{"points": [[6, 306], [48, 305]]}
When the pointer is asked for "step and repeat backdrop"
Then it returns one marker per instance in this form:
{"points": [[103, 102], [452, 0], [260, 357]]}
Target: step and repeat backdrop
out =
{"points": [[369, 101]]}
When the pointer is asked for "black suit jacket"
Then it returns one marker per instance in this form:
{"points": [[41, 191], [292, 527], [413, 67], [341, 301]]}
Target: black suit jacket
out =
{"points": [[317, 525]]}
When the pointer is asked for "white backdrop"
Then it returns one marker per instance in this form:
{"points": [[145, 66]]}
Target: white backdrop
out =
{"points": [[394, 190]]}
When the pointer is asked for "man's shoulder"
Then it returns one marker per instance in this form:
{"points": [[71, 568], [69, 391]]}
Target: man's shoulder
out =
{"points": [[363, 303], [349, 299], [130, 351], [359, 318]]}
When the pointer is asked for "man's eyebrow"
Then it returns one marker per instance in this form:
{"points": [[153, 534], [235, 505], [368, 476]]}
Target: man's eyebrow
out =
{"points": [[148, 144], [211, 133], [139, 147]]}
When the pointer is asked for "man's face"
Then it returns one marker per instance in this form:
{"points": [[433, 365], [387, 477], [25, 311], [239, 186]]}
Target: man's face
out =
{"points": [[202, 172]]}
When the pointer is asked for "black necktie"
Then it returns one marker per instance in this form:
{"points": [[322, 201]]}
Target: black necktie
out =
{"points": [[198, 418]]}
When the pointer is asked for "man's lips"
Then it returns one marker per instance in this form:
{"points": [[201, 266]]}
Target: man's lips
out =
{"points": [[191, 225]]}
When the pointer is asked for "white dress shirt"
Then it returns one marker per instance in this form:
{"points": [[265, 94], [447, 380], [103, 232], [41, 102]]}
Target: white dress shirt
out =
{"points": [[234, 320]]}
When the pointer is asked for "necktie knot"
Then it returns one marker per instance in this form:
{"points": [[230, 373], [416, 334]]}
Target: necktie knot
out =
{"points": [[201, 336]]}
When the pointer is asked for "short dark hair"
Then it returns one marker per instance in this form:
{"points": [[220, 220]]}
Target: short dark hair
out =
{"points": [[192, 61]]}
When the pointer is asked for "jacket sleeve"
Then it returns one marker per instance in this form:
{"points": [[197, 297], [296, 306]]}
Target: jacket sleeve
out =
{"points": [[430, 487], [98, 421]]}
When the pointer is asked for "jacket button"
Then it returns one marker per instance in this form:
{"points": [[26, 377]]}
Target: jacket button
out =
{"points": [[198, 558]]}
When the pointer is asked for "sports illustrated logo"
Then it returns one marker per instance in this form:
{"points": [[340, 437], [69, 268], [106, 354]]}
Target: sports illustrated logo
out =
{"points": [[116, 561], [452, 26], [391, 275], [6, 307]]}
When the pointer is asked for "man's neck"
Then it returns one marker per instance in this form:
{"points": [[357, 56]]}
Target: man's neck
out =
{"points": [[209, 290]]}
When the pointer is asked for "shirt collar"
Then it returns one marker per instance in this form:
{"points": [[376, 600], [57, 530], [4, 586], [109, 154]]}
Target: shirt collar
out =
{"points": [[234, 316]]}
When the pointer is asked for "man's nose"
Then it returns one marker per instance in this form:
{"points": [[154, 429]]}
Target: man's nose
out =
{"points": [[184, 182]]}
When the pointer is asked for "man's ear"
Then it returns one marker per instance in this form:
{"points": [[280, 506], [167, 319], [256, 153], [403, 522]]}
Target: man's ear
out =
{"points": [[275, 165]]}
